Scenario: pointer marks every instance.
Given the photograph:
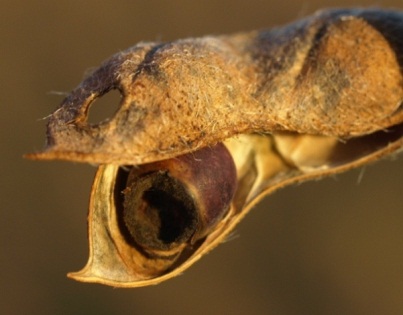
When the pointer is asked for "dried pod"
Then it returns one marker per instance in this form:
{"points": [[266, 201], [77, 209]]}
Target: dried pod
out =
{"points": [[207, 127]]}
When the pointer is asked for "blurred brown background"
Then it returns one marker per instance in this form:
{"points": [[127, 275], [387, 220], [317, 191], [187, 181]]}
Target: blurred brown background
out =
{"points": [[327, 247]]}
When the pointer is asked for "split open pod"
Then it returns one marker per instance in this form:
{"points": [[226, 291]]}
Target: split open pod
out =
{"points": [[207, 126]]}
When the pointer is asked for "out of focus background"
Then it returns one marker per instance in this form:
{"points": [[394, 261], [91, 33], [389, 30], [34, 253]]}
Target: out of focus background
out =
{"points": [[328, 247]]}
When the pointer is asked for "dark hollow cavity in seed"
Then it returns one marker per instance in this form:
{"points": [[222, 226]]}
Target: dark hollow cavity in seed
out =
{"points": [[180, 200], [158, 211]]}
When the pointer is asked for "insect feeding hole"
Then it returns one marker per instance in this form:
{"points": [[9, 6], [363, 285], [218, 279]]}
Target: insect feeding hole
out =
{"points": [[104, 107]]}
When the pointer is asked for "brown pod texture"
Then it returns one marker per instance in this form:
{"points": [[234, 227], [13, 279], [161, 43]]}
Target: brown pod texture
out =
{"points": [[206, 127]]}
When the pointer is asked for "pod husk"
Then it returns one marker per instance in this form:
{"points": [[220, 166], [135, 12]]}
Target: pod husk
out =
{"points": [[337, 73], [307, 100]]}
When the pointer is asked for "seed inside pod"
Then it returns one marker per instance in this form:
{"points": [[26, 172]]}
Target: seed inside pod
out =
{"points": [[170, 204], [158, 211]]}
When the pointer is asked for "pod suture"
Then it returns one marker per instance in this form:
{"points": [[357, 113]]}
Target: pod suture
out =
{"points": [[207, 127]]}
